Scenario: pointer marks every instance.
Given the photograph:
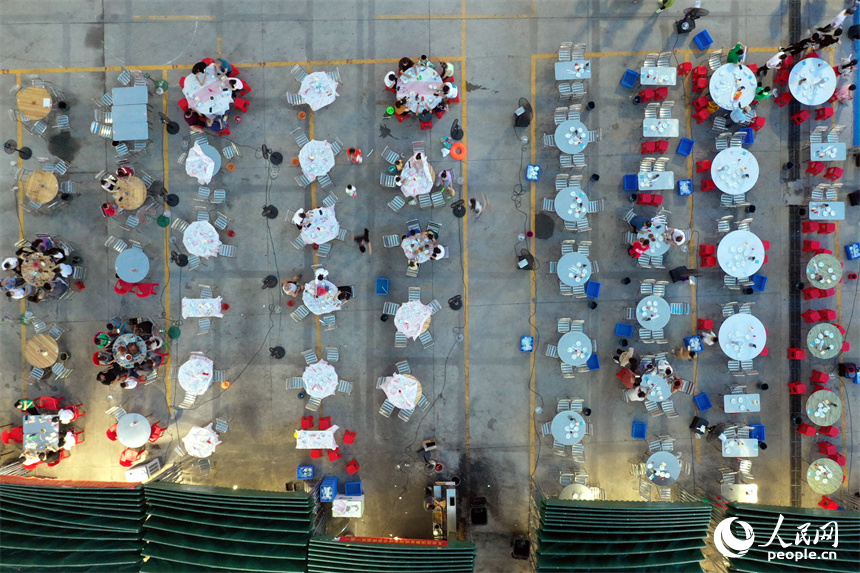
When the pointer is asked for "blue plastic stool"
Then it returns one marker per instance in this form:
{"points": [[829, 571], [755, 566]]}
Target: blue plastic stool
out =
{"points": [[592, 289], [622, 329], [757, 432], [702, 401], [631, 182], [703, 40], [640, 430], [685, 187], [382, 286], [305, 472], [629, 79], [750, 138], [759, 282], [352, 488], [593, 362], [685, 146]]}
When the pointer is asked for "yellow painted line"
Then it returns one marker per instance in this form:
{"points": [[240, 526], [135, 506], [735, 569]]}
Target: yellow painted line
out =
{"points": [[166, 181], [23, 303], [452, 16], [139, 17], [533, 293], [311, 135], [465, 254], [218, 47]]}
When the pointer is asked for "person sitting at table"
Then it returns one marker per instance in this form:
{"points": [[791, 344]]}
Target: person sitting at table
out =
{"points": [[140, 327], [103, 358], [42, 244], [399, 165], [291, 286], [153, 343], [18, 291], [37, 296], [110, 209], [130, 382], [27, 406], [439, 252], [108, 377], [708, 337], [638, 248], [636, 394], [50, 457], [235, 85], [684, 353], [109, 182], [194, 119], [344, 293], [446, 70], [400, 107], [737, 54], [103, 339], [640, 223], [404, 64], [424, 115], [391, 81], [199, 71], [676, 382], [449, 91], [223, 67], [11, 264], [218, 123], [57, 288]]}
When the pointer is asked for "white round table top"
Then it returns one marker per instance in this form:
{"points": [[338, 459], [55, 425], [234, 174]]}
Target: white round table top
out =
{"points": [[212, 154], [568, 427], [653, 312], [573, 269], [578, 139], [658, 245], [657, 385], [571, 204], [739, 333], [665, 463], [732, 86], [819, 81], [730, 168], [133, 430], [132, 265], [576, 491], [740, 254], [574, 348]]}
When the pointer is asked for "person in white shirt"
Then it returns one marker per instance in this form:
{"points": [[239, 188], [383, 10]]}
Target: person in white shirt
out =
{"points": [[391, 80], [449, 91]]}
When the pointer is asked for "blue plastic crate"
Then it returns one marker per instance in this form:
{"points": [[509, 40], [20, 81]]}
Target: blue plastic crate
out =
{"points": [[625, 330], [703, 403], [352, 488], [592, 289], [629, 79], [750, 138], [685, 187], [328, 488], [527, 343], [694, 343], [640, 430], [305, 472], [532, 172], [757, 432], [703, 40], [593, 362], [759, 282], [382, 286], [685, 146], [852, 251], [631, 182]]}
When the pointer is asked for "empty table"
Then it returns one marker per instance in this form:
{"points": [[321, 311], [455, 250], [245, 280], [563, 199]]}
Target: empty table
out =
{"points": [[316, 439], [653, 312], [824, 271], [41, 351], [133, 430], [576, 491], [824, 408], [663, 468], [571, 204], [812, 81], [320, 379], [130, 122], [658, 76], [740, 448], [827, 211], [739, 492], [568, 428], [318, 90], [827, 151], [824, 340], [41, 187], [574, 348], [658, 387], [824, 476], [656, 180], [740, 254], [732, 86], [571, 136], [201, 442], [129, 193], [41, 432], [734, 170], [130, 95], [195, 376], [742, 337], [573, 269], [740, 403], [402, 390], [132, 265], [573, 70], [34, 102], [653, 127]]}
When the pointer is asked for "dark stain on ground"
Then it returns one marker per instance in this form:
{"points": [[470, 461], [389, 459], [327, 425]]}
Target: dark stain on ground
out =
{"points": [[476, 87], [384, 131], [95, 36], [64, 146], [491, 423]]}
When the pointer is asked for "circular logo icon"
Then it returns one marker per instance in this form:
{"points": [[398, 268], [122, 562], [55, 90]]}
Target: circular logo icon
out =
{"points": [[727, 543]]}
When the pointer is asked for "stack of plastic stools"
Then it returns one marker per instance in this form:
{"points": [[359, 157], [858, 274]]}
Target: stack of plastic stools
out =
{"points": [[328, 488], [703, 40]]}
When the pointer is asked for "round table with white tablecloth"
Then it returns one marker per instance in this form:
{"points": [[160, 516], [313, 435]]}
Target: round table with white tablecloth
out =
{"points": [[129, 349], [316, 158], [211, 98], [657, 385], [201, 239], [740, 254], [417, 177], [576, 491], [732, 86], [812, 81], [571, 136], [574, 348], [568, 427], [734, 170], [418, 248], [653, 312], [574, 269], [571, 204], [824, 271], [195, 376], [133, 430], [321, 297], [402, 390], [663, 468], [412, 318], [824, 476], [322, 226], [318, 90], [418, 85], [824, 340], [320, 379], [201, 442], [742, 336]]}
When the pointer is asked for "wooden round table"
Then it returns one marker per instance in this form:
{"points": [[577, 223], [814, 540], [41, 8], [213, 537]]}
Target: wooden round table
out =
{"points": [[31, 102], [824, 476], [41, 351], [130, 193], [41, 187]]}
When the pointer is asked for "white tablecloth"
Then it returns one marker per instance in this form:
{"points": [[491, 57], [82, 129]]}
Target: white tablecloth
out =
{"points": [[321, 304], [730, 168], [740, 254], [316, 158], [738, 332], [210, 99], [316, 439], [653, 312], [201, 442], [195, 375], [402, 390], [199, 165], [318, 90], [201, 239], [574, 348], [412, 248], [732, 86], [201, 307], [658, 76], [819, 85], [410, 318], [574, 269], [417, 179], [740, 492], [418, 86], [320, 379], [571, 204], [323, 226]]}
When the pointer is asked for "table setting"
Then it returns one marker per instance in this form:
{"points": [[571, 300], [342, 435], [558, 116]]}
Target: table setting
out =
{"points": [[574, 348], [824, 476], [742, 337], [812, 81], [827, 152], [195, 375], [211, 98], [824, 408], [321, 297], [418, 248], [574, 269], [41, 432], [318, 90], [740, 254], [129, 349], [656, 236], [739, 492], [735, 170], [732, 86], [202, 307], [201, 441], [568, 427], [653, 312], [316, 158], [133, 430], [571, 204], [663, 468], [653, 76], [655, 127], [402, 390], [412, 318], [830, 211], [657, 385], [320, 227], [824, 271], [417, 177], [572, 70], [740, 403], [824, 340], [320, 379], [37, 268], [740, 448], [418, 86], [571, 136], [316, 439]]}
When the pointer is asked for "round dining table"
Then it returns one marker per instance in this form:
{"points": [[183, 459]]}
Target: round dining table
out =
{"points": [[824, 271], [37, 268], [734, 170], [663, 468], [132, 265], [740, 253], [133, 430], [658, 244], [742, 336], [402, 390], [320, 379], [316, 158], [653, 312], [571, 204], [732, 86], [129, 359], [571, 136], [574, 269], [129, 193], [824, 476], [824, 340], [201, 239], [322, 228], [41, 351], [568, 427], [34, 102], [658, 386], [321, 297], [574, 348], [418, 86], [41, 187], [812, 81], [318, 90], [576, 491], [824, 408]]}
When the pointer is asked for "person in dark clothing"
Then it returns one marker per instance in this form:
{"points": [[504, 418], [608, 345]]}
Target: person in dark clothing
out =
{"points": [[363, 241], [27, 406], [194, 119]]}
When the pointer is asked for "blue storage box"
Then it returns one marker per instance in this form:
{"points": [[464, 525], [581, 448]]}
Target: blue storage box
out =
{"points": [[328, 488], [593, 362], [702, 401], [352, 488], [759, 282], [685, 187], [624, 330], [694, 343], [592, 289], [640, 430], [527, 344], [685, 146], [757, 432], [631, 182], [852, 251], [750, 138], [305, 472], [382, 286], [703, 40], [532, 172], [629, 79]]}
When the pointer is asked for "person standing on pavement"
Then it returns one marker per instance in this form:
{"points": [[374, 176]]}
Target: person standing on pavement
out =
{"points": [[665, 4]]}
